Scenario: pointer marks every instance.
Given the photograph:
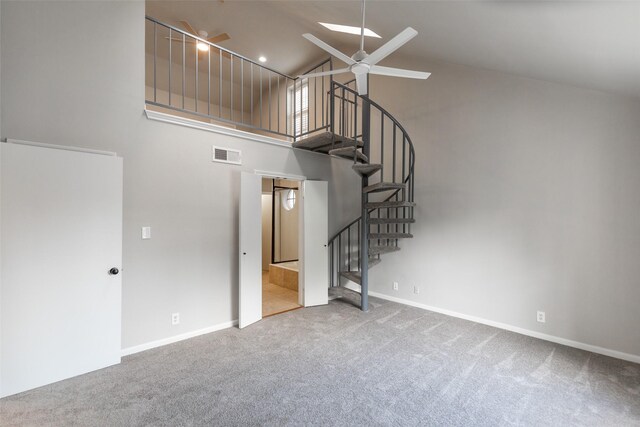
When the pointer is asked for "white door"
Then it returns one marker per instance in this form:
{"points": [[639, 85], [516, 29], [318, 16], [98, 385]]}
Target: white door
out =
{"points": [[314, 236], [61, 225], [250, 223]]}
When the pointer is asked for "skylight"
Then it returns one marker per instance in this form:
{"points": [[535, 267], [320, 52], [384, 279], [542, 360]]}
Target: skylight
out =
{"points": [[348, 29]]}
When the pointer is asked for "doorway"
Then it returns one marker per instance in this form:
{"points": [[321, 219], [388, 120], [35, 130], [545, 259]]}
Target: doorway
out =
{"points": [[313, 260], [280, 249]]}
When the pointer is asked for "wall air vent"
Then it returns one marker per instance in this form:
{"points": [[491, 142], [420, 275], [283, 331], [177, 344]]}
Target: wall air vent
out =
{"points": [[227, 155]]}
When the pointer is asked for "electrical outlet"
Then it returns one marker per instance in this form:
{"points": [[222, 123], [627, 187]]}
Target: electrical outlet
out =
{"points": [[416, 290], [175, 318], [395, 286], [541, 317]]}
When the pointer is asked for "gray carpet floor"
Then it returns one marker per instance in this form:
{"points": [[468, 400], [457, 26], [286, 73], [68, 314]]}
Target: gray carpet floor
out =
{"points": [[335, 365]]}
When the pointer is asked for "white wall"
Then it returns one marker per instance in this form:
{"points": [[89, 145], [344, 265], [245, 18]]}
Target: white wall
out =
{"points": [[0, 199], [89, 91], [527, 199]]}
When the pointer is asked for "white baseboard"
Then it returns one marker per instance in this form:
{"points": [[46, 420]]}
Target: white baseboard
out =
{"points": [[170, 340], [570, 343]]}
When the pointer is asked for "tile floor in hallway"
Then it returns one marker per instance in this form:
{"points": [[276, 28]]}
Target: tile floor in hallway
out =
{"points": [[276, 299]]}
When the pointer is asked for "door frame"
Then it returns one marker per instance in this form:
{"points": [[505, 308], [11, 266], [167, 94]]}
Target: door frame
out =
{"points": [[298, 178]]}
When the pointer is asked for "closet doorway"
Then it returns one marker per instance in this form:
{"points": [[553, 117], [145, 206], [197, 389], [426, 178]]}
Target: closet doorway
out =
{"points": [[312, 228]]}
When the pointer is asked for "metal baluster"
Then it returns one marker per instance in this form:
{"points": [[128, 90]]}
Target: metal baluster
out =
{"points": [[196, 96], [382, 147], [355, 124], [278, 104], [260, 97], [270, 126], [359, 259], [209, 82], [349, 248], [322, 100], [170, 66], [251, 100], [155, 50], [339, 255], [404, 194], [241, 90], [393, 153], [231, 89], [220, 84], [332, 111], [183, 69], [342, 113]]}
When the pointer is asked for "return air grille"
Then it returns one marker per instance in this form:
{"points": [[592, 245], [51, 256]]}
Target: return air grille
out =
{"points": [[227, 155]]}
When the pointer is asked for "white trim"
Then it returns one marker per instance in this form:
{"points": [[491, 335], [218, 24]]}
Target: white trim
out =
{"points": [[279, 175], [210, 127], [170, 340], [60, 147], [570, 343]]}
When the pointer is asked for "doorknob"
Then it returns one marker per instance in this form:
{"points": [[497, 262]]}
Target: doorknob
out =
{"points": [[114, 271]]}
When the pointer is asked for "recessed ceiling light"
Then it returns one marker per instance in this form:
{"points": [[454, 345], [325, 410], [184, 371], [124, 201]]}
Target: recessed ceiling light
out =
{"points": [[349, 29], [202, 46], [262, 59]]}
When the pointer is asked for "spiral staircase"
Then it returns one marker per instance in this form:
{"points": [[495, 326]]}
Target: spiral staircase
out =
{"points": [[383, 155]]}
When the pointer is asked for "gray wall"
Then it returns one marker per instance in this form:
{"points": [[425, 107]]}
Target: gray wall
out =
{"points": [[527, 191], [528, 200], [88, 91]]}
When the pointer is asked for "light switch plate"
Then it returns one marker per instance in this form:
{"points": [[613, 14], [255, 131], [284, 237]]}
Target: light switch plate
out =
{"points": [[146, 232]]}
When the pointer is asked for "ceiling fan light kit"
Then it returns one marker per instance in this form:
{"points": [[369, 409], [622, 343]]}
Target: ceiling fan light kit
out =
{"points": [[200, 45], [361, 63]]}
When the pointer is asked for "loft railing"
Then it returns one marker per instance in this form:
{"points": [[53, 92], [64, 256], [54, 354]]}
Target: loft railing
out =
{"points": [[387, 143], [189, 75]]}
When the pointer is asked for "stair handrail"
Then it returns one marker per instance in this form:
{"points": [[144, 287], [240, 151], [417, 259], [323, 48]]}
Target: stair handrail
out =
{"points": [[407, 179]]}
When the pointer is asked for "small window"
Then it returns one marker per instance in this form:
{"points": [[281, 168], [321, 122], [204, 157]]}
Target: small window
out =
{"points": [[298, 106], [289, 200]]}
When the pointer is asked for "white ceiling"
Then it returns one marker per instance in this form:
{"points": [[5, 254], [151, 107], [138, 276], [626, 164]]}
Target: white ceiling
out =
{"points": [[592, 44]]}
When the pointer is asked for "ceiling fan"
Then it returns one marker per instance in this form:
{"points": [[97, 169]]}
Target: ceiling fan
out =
{"points": [[361, 63], [201, 34]]}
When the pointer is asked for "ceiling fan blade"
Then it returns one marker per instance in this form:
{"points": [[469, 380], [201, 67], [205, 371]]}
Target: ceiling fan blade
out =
{"points": [[187, 40], [335, 52], [218, 52], [219, 38], [324, 73], [391, 46], [361, 83], [189, 28], [398, 72]]}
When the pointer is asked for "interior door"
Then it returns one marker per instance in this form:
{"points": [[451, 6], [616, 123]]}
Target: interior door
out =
{"points": [[250, 310], [61, 225], [314, 236]]}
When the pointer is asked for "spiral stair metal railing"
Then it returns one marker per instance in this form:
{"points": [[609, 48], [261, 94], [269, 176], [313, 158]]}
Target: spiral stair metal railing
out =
{"points": [[384, 156]]}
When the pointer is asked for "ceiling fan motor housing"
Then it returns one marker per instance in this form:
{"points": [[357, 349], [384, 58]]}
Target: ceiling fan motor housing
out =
{"points": [[360, 68]]}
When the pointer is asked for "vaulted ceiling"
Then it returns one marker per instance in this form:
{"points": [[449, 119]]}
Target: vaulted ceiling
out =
{"points": [[593, 44]]}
